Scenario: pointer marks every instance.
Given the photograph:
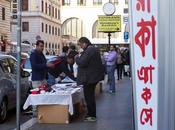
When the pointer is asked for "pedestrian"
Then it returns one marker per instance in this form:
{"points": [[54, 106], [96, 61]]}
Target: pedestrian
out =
{"points": [[64, 51], [110, 59], [72, 50], [90, 72], [39, 65], [119, 64], [63, 67]]}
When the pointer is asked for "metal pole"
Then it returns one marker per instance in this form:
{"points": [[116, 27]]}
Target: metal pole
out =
{"points": [[109, 38], [18, 89]]}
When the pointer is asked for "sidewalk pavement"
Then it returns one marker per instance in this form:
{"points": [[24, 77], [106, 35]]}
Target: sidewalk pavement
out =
{"points": [[114, 112]]}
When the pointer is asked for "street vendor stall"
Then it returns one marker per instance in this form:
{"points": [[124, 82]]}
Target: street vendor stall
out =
{"points": [[56, 103]]}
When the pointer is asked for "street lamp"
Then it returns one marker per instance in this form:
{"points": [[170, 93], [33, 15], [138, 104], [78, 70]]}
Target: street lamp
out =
{"points": [[109, 9]]}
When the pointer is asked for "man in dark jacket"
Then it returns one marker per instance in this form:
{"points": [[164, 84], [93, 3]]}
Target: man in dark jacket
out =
{"points": [[39, 65], [90, 72]]}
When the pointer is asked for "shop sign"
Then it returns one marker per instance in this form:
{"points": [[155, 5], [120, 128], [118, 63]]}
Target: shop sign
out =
{"points": [[145, 62], [109, 23]]}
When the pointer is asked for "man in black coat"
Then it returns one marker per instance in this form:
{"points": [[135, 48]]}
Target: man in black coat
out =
{"points": [[90, 72]]}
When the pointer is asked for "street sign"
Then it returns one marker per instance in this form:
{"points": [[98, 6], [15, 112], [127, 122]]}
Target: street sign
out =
{"points": [[125, 19], [126, 35], [109, 23]]}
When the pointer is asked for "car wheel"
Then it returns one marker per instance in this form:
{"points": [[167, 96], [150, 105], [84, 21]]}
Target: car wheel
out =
{"points": [[3, 111]]}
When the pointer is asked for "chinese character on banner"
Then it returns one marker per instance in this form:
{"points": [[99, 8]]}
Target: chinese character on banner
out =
{"points": [[146, 95], [146, 116], [141, 4], [142, 38], [145, 73]]}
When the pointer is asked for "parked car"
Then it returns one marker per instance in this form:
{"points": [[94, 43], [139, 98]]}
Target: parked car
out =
{"points": [[8, 84]]}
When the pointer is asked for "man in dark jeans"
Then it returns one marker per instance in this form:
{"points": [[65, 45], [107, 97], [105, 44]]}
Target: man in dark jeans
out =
{"points": [[90, 72]]}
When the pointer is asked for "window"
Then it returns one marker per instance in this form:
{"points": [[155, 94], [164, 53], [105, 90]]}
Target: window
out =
{"points": [[58, 14], [14, 16], [65, 2], [125, 10], [3, 13], [9, 65], [126, 2], [49, 29], [24, 5], [25, 26], [46, 7], [1, 71], [52, 30], [13, 65], [81, 2], [114, 1], [49, 10], [46, 28], [55, 31], [97, 2], [14, 10], [5, 66], [42, 27], [72, 27], [58, 31], [42, 6], [52, 11], [14, 5]]}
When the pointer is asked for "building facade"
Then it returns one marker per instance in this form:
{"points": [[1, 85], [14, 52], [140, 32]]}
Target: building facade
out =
{"points": [[80, 18], [40, 20], [4, 21]]}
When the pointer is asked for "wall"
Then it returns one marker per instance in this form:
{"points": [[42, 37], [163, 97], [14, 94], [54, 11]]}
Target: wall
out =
{"points": [[89, 14], [166, 65]]}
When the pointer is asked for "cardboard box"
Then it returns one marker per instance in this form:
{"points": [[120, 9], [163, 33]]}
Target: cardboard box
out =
{"points": [[53, 114]]}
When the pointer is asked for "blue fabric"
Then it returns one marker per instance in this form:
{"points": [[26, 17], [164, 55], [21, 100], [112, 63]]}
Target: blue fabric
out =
{"points": [[39, 68], [111, 77], [51, 80]]}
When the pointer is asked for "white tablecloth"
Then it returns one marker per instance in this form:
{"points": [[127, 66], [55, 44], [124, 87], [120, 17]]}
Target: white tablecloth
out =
{"points": [[54, 98]]}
